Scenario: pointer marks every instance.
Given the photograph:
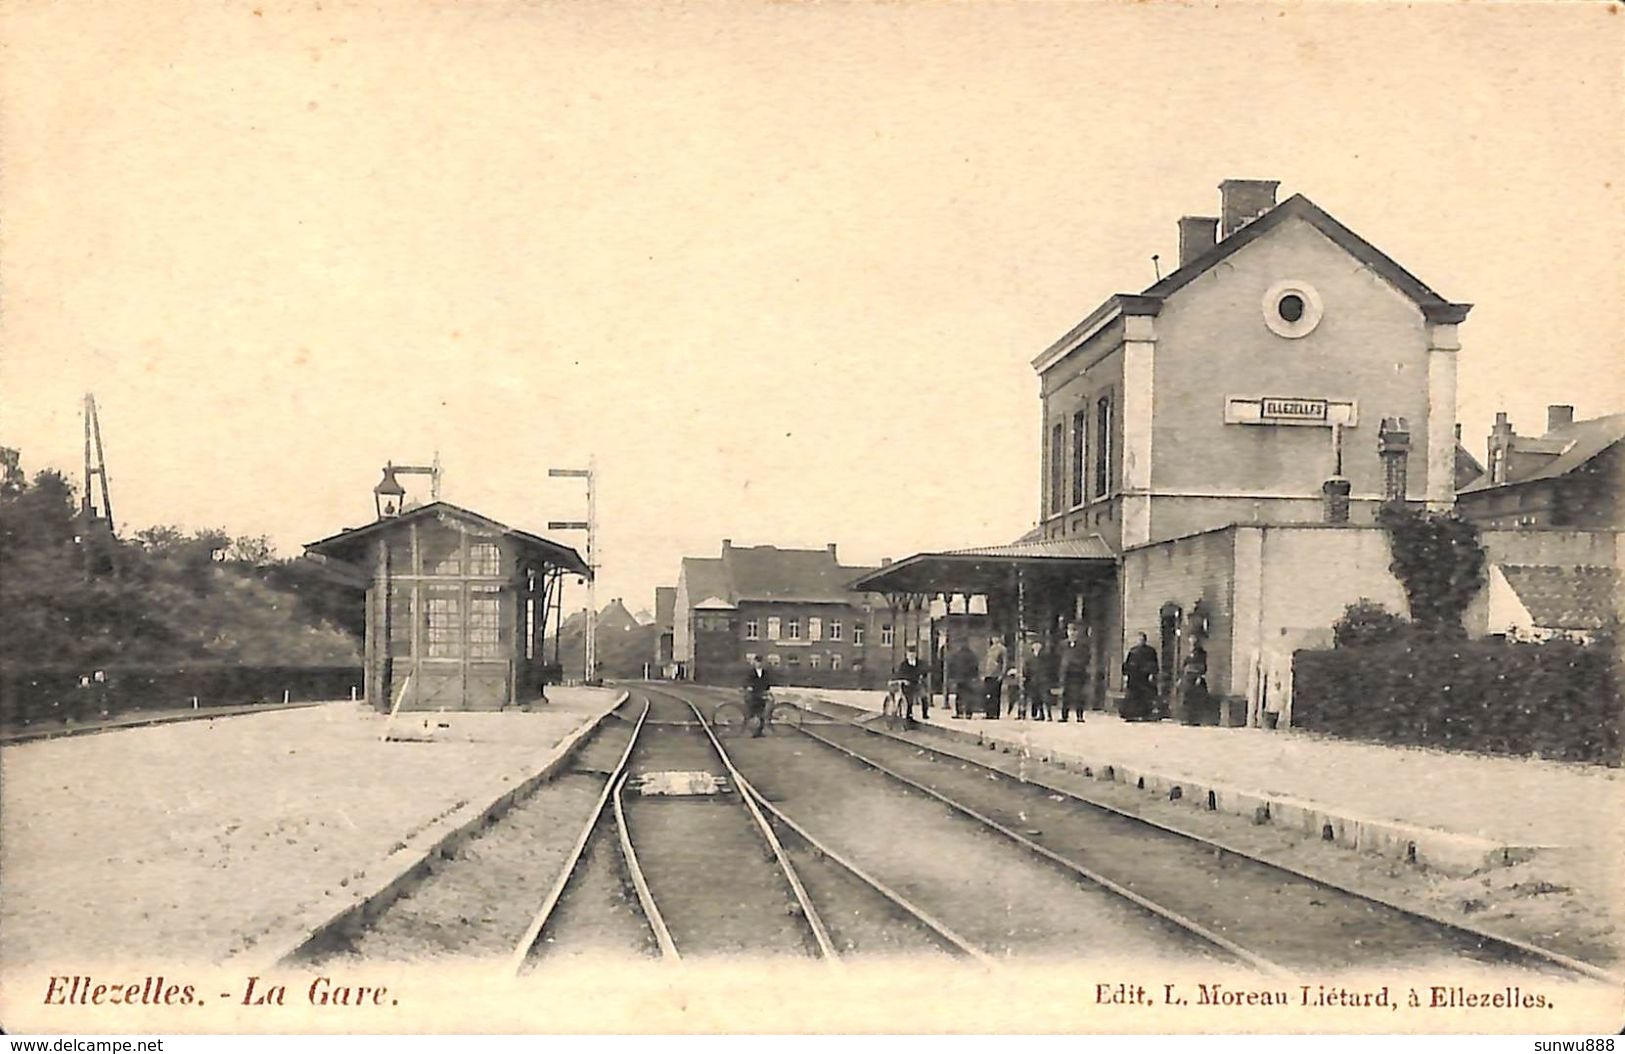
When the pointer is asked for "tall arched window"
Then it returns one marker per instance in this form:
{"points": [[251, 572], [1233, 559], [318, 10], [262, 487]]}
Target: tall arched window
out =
{"points": [[1057, 466], [1080, 435], [1103, 444]]}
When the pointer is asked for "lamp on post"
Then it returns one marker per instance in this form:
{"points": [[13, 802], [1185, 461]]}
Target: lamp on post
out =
{"points": [[388, 494]]}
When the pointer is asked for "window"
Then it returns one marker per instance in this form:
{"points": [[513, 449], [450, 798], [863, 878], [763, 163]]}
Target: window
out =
{"points": [[1080, 432], [835, 660], [857, 635], [753, 629], [772, 627], [1292, 309], [484, 624], [1103, 444], [1057, 466], [815, 628], [815, 660], [773, 658], [886, 637], [792, 629], [442, 552], [793, 661], [750, 657], [484, 558], [836, 629], [443, 623], [530, 627]]}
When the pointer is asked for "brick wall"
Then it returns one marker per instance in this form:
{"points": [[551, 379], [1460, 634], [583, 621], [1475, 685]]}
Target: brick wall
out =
{"points": [[1179, 572]]}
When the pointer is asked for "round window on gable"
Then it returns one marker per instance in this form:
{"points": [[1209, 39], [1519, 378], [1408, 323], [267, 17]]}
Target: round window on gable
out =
{"points": [[1292, 309]]}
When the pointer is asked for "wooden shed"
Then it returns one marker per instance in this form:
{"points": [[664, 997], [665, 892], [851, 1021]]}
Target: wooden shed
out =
{"points": [[457, 606]]}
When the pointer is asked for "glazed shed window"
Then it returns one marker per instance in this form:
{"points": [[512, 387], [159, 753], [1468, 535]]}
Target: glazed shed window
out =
{"points": [[1057, 466]]}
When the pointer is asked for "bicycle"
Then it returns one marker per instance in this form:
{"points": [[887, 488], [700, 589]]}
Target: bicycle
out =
{"points": [[895, 709], [730, 718]]}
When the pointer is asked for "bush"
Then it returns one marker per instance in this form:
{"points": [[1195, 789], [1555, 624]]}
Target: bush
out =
{"points": [[1556, 700], [1367, 622]]}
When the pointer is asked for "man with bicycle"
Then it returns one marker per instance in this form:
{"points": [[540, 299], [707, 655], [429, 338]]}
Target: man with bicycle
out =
{"points": [[758, 685]]}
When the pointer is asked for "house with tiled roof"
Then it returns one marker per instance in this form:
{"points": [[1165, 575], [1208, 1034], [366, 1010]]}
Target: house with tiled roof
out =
{"points": [[1569, 476], [794, 607], [1535, 602]]}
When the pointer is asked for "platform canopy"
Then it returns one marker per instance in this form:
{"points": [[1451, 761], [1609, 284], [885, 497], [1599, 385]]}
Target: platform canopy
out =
{"points": [[991, 569]]}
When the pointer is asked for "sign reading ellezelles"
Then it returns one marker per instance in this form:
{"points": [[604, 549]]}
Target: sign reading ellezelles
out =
{"points": [[1295, 409]]}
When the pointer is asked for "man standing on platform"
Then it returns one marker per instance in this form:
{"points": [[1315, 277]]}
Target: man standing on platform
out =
{"points": [[1140, 670], [994, 665], [1037, 679], [911, 671], [962, 678], [1074, 671]]}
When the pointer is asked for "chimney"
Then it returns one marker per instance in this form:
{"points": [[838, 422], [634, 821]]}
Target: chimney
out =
{"points": [[1500, 442], [1197, 234], [1458, 431], [885, 561], [831, 548], [1394, 447], [1242, 201], [727, 543], [1558, 416]]}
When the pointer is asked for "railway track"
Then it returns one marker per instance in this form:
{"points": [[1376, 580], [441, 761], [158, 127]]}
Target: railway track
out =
{"points": [[1273, 918]]}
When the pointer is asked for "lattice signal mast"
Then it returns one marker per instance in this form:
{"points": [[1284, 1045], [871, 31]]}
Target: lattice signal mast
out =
{"points": [[95, 470]]}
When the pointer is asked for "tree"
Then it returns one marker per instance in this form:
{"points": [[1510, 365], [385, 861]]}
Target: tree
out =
{"points": [[1439, 562]]}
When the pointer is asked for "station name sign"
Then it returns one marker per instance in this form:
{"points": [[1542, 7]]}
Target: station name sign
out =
{"points": [[1294, 409], [1289, 410]]}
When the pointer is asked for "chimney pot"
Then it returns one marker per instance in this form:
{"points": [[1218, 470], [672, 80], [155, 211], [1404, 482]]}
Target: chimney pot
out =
{"points": [[831, 548], [1243, 200], [1458, 431], [727, 543], [1558, 416], [1197, 234], [1501, 419], [885, 561]]}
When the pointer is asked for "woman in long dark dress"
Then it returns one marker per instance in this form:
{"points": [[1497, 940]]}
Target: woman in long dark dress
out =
{"points": [[1193, 694]]}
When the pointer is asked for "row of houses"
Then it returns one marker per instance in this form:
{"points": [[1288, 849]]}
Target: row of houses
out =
{"points": [[1214, 451]]}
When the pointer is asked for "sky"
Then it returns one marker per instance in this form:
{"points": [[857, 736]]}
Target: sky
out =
{"points": [[780, 268]]}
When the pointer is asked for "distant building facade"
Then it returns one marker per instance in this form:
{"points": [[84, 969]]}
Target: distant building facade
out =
{"points": [[793, 607], [1569, 476]]}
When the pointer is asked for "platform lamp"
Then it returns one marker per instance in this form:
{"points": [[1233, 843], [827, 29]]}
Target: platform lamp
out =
{"points": [[388, 494]]}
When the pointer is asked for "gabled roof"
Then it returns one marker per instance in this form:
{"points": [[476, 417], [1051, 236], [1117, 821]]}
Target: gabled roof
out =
{"points": [[1467, 468], [705, 577], [1567, 597], [1149, 302], [1578, 443], [350, 544], [768, 573]]}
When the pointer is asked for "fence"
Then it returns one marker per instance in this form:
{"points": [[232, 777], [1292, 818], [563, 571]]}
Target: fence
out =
{"points": [[33, 695], [1556, 700]]}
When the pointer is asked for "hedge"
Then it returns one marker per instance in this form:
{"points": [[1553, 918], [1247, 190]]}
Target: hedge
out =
{"points": [[1555, 700], [28, 695]]}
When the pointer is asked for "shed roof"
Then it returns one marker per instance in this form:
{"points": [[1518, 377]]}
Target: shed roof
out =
{"points": [[349, 545], [1567, 597]]}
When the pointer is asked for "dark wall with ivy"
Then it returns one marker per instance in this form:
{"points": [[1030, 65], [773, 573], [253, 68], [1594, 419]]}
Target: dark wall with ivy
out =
{"points": [[1555, 700]]}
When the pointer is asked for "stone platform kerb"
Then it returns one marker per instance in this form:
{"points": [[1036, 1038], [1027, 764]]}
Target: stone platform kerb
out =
{"points": [[1452, 852]]}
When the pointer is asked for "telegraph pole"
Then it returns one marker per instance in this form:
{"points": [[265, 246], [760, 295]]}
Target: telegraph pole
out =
{"points": [[590, 525]]}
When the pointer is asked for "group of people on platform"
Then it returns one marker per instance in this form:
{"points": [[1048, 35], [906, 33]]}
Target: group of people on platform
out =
{"points": [[995, 684]]}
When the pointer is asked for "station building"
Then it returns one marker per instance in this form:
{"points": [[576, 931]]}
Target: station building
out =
{"points": [[1215, 448]]}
